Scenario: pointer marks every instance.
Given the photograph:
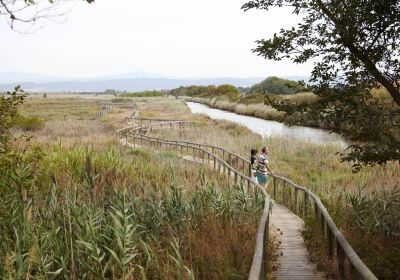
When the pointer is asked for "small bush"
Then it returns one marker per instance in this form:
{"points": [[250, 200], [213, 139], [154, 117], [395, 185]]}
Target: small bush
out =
{"points": [[28, 123]]}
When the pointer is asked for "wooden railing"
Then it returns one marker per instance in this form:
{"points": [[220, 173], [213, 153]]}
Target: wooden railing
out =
{"points": [[104, 111], [234, 167]]}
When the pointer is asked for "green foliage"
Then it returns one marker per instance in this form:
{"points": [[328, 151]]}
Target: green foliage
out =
{"points": [[28, 123], [119, 100], [8, 111], [225, 91], [356, 114], [277, 85], [352, 42]]}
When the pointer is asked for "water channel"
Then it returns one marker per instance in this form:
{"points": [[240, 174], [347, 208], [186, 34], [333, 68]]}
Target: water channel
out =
{"points": [[268, 128]]}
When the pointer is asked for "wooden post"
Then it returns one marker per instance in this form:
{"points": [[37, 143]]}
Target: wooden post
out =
{"points": [[248, 182], [353, 272], [330, 241], [236, 178], [274, 187], [215, 163], [315, 209], [296, 200], [203, 156], [224, 167], [340, 261], [305, 204], [322, 222], [284, 191]]}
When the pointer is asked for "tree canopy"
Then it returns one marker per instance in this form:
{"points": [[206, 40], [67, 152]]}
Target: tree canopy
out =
{"points": [[277, 85], [355, 48], [354, 42]]}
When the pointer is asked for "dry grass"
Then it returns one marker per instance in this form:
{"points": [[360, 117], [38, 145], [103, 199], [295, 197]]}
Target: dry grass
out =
{"points": [[71, 122], [302, 97]]}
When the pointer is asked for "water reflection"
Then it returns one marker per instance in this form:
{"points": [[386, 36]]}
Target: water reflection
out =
{"points": [[272, 128]]}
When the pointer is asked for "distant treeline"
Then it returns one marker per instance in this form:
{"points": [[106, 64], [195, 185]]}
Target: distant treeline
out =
{"points": [[271, 85], [152, 93]]}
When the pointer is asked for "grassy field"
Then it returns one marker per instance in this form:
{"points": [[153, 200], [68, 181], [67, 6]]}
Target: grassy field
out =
{"points": [[85, 207]]}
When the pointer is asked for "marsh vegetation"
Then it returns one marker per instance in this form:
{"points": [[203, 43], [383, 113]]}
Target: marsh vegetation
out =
{"points": [[85, 206]]}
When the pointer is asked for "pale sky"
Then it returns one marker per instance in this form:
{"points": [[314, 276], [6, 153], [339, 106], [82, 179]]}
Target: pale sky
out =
{"points": [[198, 38]]}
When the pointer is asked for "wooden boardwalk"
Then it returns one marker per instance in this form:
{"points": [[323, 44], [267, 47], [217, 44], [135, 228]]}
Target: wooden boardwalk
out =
{"points": [[293, 258]]}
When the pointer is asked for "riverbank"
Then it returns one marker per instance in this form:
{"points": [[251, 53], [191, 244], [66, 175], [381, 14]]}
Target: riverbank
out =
{"points": [[254, 110], [268, 128]]}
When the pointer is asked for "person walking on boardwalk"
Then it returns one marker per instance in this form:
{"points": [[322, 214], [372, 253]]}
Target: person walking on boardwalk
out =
{"points": [[253, 164], [263, 168]]}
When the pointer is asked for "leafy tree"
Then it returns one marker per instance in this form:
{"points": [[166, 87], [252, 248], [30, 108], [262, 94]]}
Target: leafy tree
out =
{"points": [[8, 111], [355, 41], [277, 85], [355, 46]]}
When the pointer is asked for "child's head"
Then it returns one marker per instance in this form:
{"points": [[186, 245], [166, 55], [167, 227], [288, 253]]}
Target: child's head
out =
{"points": [[253, 152], [265, 150]]}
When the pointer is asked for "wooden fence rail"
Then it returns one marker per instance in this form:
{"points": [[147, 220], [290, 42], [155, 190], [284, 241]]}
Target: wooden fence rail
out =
{"points": [[235, 168]]}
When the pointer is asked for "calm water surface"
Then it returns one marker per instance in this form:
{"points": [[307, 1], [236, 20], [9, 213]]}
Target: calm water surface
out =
{"points": [[272, 128]]}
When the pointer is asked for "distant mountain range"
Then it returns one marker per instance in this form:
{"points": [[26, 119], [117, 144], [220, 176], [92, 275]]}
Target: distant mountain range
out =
{"points": [[134, 81]]}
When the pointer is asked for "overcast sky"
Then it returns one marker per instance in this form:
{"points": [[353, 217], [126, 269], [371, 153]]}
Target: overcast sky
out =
{"points": [[206, 38]]}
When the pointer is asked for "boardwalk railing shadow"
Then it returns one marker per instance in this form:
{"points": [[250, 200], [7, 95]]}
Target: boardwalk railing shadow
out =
{"points": [[237, 169]]}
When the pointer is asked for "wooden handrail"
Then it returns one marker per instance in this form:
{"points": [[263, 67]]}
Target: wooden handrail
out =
{"points": [[357, 267]]}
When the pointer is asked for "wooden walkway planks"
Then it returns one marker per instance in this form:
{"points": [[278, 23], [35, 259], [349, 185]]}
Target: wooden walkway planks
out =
{"points": [[293, 258]]}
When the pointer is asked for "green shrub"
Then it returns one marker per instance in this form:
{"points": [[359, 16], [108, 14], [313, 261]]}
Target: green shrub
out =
{"points": [[28, 123]]}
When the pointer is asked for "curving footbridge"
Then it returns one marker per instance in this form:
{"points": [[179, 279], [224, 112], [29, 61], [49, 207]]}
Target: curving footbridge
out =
{"points": [[293, 261]]}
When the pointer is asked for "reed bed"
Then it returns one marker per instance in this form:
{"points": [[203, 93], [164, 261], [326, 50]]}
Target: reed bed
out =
{"points": [[86, 215], [74, 204]]}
